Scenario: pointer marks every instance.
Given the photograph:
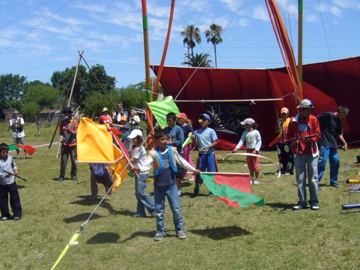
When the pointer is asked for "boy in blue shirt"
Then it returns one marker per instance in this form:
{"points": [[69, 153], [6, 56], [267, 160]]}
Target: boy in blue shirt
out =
{"points": [[175, 139], [165, 160], [8, 185], [205, 139]]}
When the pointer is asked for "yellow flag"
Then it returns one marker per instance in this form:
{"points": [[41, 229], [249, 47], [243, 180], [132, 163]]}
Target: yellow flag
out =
{"points": [[94, 143]]}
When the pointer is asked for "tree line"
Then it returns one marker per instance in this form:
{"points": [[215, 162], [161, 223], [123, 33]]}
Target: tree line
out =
{"points": [[192, 37], [32, 97]]}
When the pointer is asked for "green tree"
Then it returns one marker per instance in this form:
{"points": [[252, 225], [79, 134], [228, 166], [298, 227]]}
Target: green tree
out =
{"points": [[199, 60], [11, 88], [191, 36], [64, 80], [44, 95], [85, 83], [30, 111], [214, 36]]}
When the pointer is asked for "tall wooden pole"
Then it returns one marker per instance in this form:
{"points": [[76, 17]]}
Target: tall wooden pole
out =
{"points": [[149, 118], [300, 40]]}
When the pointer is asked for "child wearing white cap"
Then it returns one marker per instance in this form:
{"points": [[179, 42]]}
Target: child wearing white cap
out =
{"points": [[251, 136], [142, 163]]}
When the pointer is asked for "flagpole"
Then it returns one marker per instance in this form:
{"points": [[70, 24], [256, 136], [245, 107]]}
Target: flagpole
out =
{"points": [[229, 100], [300, 39], [149, 96]]}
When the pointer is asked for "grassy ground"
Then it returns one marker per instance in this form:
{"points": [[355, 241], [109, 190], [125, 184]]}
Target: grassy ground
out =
{"points": [[268, 237]]}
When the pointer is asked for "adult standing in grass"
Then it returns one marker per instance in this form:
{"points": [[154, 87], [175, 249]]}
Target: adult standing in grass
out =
{"points": [[68, 130], [17, 126], [8, 185], [331, 130], [304, 132], [120, 112]]}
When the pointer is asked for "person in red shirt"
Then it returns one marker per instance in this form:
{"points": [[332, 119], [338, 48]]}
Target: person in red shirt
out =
{"points": [[304, 132], [68, 130]]}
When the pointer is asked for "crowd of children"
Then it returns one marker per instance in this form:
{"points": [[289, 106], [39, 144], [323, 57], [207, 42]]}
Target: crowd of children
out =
{"points": [[297, 145]]}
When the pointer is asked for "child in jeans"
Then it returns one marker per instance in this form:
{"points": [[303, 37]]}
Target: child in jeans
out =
{"points": [[251, 136], [8, 185], [166, 159], [142, 163]]}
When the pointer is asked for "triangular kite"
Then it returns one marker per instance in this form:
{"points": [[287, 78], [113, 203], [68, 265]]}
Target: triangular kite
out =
{"points": [[160, 108]]}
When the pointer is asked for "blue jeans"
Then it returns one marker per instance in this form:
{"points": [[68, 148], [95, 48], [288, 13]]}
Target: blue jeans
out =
{"points": [[331, 154], [171, 192], [306, 165], [206, 162], [143, 199]]}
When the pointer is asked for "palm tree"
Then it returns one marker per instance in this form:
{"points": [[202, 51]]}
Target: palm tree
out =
{"points": [[214, 35], [198, 60], [192, 36]]}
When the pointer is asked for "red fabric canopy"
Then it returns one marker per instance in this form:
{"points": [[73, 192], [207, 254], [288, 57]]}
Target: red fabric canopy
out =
{"points": [[327, 84]]}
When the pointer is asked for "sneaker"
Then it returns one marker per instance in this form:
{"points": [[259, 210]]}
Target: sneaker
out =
{"points": [[181, 235], [192, 178], [179, 192], [211, 194], [158, 237], [254, 182], [60, 179], [335, 185], [5, 218], [28, 157], [74, 178], [299, 207], [315, 206], [17, 218], [137, 216]]}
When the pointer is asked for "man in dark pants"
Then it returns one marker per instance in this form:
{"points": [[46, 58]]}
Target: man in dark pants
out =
{"points": [[331, 130], [68, 129]]}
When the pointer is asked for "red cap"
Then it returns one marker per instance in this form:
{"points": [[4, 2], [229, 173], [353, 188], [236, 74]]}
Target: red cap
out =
{"points": [[181, 115]]}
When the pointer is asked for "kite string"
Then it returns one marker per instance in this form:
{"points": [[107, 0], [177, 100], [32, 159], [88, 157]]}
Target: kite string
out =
{"points": [[196, 69], [82, 226]]}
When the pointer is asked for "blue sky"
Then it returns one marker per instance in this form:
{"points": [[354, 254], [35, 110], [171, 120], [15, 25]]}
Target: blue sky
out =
{"points": [[38, 37]]}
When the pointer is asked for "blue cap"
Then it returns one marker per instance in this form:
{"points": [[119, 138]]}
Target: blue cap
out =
{"points": [[206, 116]]}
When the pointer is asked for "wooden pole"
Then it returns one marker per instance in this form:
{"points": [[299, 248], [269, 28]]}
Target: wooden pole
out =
{"points": [[230, 100], [300, 40]]}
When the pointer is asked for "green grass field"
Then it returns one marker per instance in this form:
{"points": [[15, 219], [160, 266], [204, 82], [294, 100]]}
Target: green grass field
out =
{"points": [[218, 236]]}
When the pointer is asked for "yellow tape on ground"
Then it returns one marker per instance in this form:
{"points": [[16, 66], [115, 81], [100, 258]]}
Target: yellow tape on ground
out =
{"points": [[70, 243]]}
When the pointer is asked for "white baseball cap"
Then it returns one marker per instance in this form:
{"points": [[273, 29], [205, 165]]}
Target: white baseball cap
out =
{"points": [[248, 121], [134, 133]]}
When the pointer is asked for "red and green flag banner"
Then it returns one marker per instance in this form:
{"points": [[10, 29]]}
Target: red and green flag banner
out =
{"points": [[232, 188], [28, 148]]}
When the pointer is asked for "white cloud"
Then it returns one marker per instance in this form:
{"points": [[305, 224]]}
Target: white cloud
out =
{"points": [[325, 8], [260, 12], [232, 5], [347, 3], [92, 8]]}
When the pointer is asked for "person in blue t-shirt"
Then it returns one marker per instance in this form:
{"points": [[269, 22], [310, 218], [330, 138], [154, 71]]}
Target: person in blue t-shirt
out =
{"points": [[175, 139], [205, 139], [165, 160]]}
